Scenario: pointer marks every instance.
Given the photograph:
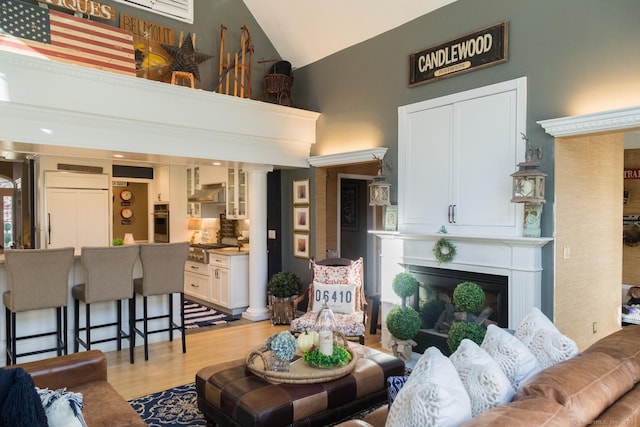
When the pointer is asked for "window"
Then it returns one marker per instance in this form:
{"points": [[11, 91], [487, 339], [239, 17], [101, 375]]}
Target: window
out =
{"points": [[181, 10]]}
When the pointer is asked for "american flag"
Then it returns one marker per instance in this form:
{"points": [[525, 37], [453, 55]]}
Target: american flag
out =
{"points": [[35, 31]]}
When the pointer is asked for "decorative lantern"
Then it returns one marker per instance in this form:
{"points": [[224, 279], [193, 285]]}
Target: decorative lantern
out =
{"points": [[325, 326], [379, 189], [528, 188]]}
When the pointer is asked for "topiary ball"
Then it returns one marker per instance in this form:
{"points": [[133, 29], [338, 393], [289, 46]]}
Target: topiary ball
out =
{"points": [[404, 285], [462, 330], [468, 296], [403, 322]]}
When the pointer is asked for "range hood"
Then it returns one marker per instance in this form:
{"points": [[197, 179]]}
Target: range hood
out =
{"points": [[211, 193]]}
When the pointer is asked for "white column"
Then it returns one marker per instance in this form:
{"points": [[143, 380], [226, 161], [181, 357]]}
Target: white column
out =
{"points": [[258, 266]]}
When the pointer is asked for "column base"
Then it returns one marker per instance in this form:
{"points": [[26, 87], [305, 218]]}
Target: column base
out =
{"points": [[256, 315]]}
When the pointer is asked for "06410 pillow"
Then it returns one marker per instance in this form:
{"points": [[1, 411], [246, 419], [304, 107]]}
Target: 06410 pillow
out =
{"points": [[433, 395], [481, 376], [341, 298]]}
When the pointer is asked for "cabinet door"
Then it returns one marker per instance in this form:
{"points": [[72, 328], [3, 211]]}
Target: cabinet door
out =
{"points": [[214, 280], [237, 202], [223, 280], [425, 175], [485, 141], [196, 285]]}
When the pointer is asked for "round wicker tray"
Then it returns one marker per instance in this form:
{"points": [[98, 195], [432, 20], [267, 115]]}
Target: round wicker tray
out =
{"points": [[300, 371]]}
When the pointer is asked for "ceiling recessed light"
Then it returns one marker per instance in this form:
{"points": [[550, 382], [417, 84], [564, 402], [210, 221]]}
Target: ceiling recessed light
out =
{"points": [[47, 131], [217, 163], [118, 156]]}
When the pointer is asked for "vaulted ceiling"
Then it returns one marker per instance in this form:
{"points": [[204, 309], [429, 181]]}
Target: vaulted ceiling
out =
{"points": [[305, 31]]}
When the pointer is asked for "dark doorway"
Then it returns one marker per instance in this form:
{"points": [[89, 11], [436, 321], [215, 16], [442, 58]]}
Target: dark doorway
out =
{"points": [[353, 218]]}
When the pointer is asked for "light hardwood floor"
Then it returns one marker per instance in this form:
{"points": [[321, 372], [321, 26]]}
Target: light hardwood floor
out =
{"points": [[168, 367]]}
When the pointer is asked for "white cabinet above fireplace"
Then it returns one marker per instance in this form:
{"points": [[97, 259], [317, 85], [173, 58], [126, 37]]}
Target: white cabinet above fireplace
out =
{"points": [[456, 154]]}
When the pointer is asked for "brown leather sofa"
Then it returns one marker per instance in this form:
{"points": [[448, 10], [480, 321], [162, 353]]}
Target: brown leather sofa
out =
{"points": [[601, 386], [86, 373]]}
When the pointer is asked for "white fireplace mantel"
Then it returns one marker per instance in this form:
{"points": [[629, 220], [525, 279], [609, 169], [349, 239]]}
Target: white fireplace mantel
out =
{"points": [[517, 258]]}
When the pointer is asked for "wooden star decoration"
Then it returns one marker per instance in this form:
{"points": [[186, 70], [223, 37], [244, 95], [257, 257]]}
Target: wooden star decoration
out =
{"points": [[185, 57]]}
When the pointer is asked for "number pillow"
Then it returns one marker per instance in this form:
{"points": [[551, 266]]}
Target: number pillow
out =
{"points": [[342, 298]]}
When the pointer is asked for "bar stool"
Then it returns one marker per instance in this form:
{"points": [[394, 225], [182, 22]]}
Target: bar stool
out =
{"points": [[162, 274], [37, 279], [108, 273]]}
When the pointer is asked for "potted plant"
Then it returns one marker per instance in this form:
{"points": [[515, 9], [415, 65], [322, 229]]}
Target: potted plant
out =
{"points": [[403, 322], [470, 316], [282, 289]]}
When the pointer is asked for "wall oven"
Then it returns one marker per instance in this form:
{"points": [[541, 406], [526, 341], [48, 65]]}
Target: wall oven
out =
{"points": [[161, 223]]}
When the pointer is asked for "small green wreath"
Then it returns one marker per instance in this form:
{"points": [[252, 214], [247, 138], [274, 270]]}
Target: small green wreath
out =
{"points": [[444, 251]]}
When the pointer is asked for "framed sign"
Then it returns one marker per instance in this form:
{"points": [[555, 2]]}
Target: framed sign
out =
{"points": [[301, 191], [300, 245], [391, 218], [301, 218], [466, 53]]}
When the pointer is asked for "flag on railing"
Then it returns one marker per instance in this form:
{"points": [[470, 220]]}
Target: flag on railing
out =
{"points": [[35, 31]]}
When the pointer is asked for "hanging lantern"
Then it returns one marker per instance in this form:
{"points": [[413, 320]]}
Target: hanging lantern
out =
{"points": [[528, 181], [379, 189], [326, 327]]}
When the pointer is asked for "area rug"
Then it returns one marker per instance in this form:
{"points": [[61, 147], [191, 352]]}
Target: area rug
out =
{"points": [[178, 407], [199, 316]]}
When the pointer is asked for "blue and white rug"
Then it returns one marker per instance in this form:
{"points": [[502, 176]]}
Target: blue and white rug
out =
{"points": [[198, 316], [170, 408]]}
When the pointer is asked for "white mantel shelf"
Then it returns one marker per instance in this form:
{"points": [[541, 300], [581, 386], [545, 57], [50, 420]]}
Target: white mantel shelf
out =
{"points": [[505, 240]]}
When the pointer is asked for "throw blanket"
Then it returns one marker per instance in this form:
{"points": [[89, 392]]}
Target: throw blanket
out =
{"points": [[20, 404]]}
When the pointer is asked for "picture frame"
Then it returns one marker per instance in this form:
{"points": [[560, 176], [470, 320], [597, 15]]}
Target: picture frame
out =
{"points": [[301, 245], [349, 197], [301, 218], [301, 191], [391, 218]]}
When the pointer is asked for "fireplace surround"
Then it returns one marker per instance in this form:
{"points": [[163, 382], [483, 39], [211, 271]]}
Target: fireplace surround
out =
{"points": [[516, 261]]}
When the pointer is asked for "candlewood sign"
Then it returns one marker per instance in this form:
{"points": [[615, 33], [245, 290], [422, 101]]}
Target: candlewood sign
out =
{"points": [[467, 53]]}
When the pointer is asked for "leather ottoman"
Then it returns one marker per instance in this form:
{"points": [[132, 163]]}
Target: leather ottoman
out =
{"points": [[231, 395]]}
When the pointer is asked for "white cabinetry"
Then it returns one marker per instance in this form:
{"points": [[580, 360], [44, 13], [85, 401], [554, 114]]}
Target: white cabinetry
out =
{"points": [[196, 280], [229, 282], [162, 181], [237, 203], [212, 174], [77, 210], [456, 155]]}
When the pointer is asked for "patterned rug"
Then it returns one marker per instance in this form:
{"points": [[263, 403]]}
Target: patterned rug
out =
{"points": [[199, 316], [177, 407]]}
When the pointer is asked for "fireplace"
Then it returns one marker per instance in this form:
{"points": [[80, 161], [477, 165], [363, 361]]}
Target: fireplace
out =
{"points": [[437, 285]]}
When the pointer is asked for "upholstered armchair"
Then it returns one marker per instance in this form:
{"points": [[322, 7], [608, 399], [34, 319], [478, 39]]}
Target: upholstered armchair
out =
{"points": [[341, 281]]}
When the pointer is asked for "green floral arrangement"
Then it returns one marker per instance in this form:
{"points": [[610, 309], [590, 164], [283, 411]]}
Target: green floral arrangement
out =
{"points": [[118, 242], [462, 330], [404, 285], [468, 296], [284, 284], [339, 357], [403, 322], [283, 345]]}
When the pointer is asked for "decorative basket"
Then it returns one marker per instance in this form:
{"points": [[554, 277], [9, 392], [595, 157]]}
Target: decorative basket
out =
{"points": [[278, 83]]}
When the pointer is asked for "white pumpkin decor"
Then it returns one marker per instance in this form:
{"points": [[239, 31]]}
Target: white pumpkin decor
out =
{"points": [[307, 340]]}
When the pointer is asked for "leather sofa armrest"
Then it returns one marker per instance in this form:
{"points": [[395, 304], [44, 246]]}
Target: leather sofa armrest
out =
{"points": [[68, 371]]}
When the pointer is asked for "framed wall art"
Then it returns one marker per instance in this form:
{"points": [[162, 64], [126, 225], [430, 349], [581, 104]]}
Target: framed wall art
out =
{"points": [[391, 218], [300, 245], [300, 191], [301, 218]]}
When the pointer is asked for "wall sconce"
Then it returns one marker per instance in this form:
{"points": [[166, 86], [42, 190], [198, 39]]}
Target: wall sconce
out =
{"points": [[528, 188], [379, 189]]}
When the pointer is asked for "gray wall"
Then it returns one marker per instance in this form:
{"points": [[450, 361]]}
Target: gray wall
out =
{"points": [[579, 56]]}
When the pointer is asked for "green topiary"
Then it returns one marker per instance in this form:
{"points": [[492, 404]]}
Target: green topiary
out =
{"points": [[462, 330], [403, 322], [468, 296], [404, 285], [284, 284]]}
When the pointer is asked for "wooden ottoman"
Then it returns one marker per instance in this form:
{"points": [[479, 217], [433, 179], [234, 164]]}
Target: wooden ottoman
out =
{"points": [[231, 395]]}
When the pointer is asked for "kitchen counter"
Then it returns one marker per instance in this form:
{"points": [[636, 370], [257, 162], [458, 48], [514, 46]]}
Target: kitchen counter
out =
{"points": [[230, 251]]}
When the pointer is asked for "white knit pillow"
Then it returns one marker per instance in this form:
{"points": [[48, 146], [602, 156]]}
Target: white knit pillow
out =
{"points": [[513, 357], [544, 340], [63, 408], [486, 384], [432, 396]]}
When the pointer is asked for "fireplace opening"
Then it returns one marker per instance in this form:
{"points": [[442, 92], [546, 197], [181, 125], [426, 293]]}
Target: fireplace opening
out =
{"points": [[436, 288]]}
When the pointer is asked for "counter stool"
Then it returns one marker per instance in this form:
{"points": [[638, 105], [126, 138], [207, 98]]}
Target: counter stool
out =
{"points": [[37, 279], [108, 273], [162, 274]]}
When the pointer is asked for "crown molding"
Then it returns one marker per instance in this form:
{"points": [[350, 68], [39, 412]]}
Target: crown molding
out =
{"points": [[607, 121], [350, 157]]}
